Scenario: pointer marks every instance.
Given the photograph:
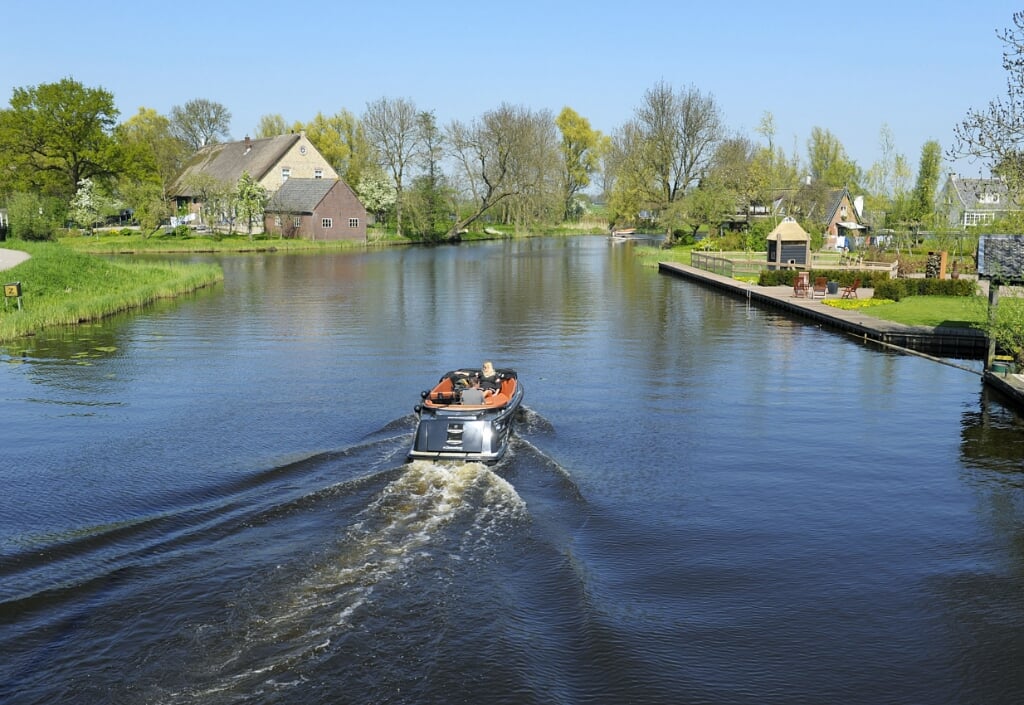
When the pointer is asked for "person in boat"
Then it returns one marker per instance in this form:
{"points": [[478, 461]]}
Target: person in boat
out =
{"points": [[489, 380]]}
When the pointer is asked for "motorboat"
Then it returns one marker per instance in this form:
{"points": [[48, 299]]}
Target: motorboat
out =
{"points": [[624, 234], [458, 420]]}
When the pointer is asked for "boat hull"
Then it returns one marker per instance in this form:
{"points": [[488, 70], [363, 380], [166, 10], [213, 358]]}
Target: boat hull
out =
{"points": [[466, 433]]}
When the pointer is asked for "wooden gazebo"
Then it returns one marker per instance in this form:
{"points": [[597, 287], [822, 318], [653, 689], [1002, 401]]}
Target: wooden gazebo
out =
{"points": [[789, 246]]}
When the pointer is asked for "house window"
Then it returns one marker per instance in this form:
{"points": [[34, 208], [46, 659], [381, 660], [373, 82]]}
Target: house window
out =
{"points": [[297, 221], [842, 212], [988, 197], [327, 223], [318, 173], [285, 173], [971, 219], [353, 222], [277, 221]]}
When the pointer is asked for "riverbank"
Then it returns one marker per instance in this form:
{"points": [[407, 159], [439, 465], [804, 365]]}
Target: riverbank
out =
{"points": [[939, 341], [62, 287]]}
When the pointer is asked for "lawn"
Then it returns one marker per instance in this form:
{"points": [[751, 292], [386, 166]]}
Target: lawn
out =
{"points": [[947, 311], [64, 287]]}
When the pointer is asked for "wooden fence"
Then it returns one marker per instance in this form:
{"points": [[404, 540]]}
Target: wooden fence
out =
{"points": [[740, 264]]}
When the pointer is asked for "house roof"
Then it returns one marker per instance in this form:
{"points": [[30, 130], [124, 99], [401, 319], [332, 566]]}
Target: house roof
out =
{"points": [[227, 161], [300, 195], [1001, 257], [788, 230], [970, 192]]}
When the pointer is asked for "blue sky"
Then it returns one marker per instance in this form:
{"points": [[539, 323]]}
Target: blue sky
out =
{"points": [[846, 67]]}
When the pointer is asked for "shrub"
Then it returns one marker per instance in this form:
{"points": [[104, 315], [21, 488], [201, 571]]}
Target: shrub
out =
{"points": [[784, 277], [897, 289]]}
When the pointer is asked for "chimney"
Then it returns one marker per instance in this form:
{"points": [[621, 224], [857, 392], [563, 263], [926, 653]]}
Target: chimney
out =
{"points": [[248, 144]]}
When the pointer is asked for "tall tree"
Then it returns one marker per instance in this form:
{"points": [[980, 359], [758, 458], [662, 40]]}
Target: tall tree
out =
{"points": [[393, 128], [500, 156], [250, 200], [829, 164], [56, 134], [201, 122], [429, 203], [271, 125], [580, 155], [928, 174], [995, 134], [342, 140], [671, 142], [152, 151]]}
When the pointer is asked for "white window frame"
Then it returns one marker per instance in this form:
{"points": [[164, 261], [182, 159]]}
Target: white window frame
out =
{"points": [[327, 223], [318, 173], [286, 172], [353, 222]]}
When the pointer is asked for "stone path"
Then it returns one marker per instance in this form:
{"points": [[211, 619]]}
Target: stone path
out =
{"points": [[11, 258]]}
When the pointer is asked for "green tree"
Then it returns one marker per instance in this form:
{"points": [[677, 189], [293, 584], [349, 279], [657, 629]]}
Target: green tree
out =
{"points": [[580, 155], [667, 147], [922, 205], [505, 154], [429, 202], [341, 139], [828, 161], [201, 122], [88, 205], [995, 134], [250, 200], [33, 217], [271, 126], [56, 134], [393, 129], [152, 152]]}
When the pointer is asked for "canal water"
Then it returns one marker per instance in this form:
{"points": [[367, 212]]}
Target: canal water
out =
{"points": [[207, 501]]}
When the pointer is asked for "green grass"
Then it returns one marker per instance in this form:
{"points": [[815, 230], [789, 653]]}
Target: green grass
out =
{"points": [[947, 311], [169, 243], [63, 287]]}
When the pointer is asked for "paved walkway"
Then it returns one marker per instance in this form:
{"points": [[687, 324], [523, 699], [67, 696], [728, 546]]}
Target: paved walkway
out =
{"points": [[10, 258]]}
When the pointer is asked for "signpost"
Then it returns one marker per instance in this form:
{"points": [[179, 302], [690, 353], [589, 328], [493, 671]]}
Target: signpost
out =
{"points": [[12, 291]]}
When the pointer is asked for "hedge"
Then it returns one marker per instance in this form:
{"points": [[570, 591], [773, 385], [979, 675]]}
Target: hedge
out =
{"points": [[845, 277], [897, 289]]}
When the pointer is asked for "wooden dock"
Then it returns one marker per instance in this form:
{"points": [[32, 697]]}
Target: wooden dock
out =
{"points": [[961, 343]]}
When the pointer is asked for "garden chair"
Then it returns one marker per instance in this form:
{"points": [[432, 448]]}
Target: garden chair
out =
{"points": [[850, 292], [820, 287], [800, 285]]}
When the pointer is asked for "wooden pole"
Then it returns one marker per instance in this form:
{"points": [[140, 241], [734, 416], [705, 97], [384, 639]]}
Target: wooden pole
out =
{"points": [[993, 303]]}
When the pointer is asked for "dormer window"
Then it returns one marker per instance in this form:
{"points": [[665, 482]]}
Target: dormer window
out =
{"points": [[988, 198]]}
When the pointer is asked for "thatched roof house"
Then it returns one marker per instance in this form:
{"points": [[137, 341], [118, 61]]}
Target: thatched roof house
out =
{"points": [[270, 161]]}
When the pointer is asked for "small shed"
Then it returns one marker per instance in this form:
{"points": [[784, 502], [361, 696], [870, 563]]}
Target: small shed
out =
{"points": [[789, 246]]}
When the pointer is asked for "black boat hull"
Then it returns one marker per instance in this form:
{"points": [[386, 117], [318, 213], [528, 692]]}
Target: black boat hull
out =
{"points": [[465, 433]]}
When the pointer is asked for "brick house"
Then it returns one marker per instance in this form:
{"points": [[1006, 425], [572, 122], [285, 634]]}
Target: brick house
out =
{"points": [[271, 161], [316, 209]]}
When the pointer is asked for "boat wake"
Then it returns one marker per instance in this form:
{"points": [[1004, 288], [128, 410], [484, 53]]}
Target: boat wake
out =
{"points": [[430, 514]]}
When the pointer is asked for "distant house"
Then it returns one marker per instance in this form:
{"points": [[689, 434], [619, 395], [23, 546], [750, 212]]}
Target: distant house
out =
{"points": [[316, 209], [834, 209], [970, 202], [271, 162]]}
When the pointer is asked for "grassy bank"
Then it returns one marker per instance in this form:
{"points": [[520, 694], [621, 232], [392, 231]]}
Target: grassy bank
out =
{"points": [[116, 244], [63, 287]]}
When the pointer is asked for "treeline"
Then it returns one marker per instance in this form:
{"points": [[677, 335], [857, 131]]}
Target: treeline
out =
{"points": [[64, 155]]}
